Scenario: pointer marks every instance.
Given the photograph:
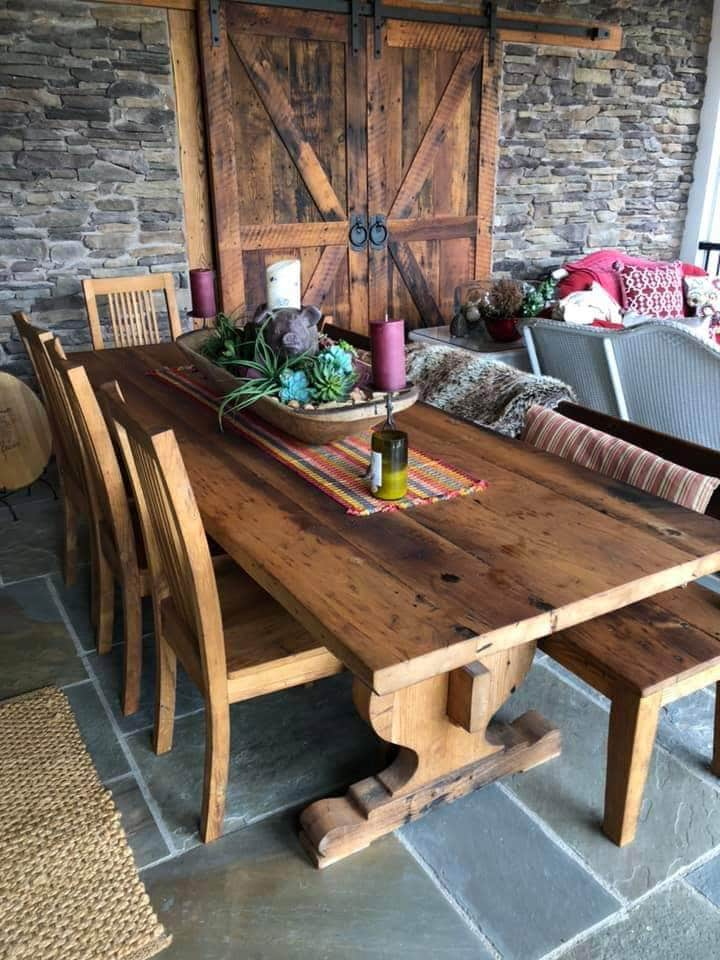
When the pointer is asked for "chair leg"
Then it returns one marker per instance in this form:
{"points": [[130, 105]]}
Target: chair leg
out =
{"points": [[165, 686], [132, 661], [94, 581], [105, 594], [70, 542], [633, 725], [217, 764], [715, 762]]}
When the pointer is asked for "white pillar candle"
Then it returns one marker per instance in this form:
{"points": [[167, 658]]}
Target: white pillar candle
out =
{"points": [[283, 285]]}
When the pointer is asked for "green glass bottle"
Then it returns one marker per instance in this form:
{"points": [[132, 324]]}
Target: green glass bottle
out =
{"points": [[389, 459]]}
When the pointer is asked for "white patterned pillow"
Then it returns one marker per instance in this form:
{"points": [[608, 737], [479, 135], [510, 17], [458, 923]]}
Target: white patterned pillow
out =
{"points": [[653, 291], [703, 297]]}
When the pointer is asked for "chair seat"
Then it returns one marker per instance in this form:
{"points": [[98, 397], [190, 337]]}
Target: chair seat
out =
{"points": [[266, 649], [657, 645]]}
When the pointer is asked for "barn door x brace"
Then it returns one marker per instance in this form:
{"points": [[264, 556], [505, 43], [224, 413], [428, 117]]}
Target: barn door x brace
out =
{"points": [[488, 18]]}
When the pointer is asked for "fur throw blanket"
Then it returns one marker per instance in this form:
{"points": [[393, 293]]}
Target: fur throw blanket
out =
{"points": [[489, 393]]}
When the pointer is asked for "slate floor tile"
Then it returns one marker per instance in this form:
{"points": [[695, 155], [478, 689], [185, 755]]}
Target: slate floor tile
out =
{"points": [[23, 501], [286, 749], [76, 601], [672, 924], [145, 839], [706, 879], [686, 729], [32, 547], [680, 817], [35, 647], [108, 669], [253, 894], [97, 731], [491, 856]]}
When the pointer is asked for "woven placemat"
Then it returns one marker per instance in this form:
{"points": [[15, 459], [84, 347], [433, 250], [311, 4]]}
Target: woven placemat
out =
{"points": [[69, 889]]}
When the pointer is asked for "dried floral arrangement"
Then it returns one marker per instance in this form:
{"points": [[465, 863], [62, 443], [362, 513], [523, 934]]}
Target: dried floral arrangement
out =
{"points": [[503, 300]]}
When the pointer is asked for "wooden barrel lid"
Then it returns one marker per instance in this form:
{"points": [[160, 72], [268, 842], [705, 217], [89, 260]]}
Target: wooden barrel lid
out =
{"points": [[25, 439]]}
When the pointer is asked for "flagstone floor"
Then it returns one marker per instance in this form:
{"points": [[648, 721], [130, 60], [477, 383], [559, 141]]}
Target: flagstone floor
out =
{"points": [[518, 870]]}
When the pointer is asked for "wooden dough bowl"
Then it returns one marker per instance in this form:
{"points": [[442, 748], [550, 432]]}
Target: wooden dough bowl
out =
{"points": [[321, 425]]}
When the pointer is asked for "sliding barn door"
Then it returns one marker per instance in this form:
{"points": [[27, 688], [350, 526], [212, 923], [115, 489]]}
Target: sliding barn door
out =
{"points": [[432, 119], [309, 138], [285, 104]]}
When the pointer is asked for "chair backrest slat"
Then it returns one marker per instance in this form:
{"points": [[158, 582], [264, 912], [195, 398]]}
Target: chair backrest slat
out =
{"points": [[99, 457], [65, 440], [132, 309], [174, 535]]}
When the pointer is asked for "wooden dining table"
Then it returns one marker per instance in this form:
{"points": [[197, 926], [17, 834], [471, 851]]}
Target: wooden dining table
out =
{"points": [[434, 610]]}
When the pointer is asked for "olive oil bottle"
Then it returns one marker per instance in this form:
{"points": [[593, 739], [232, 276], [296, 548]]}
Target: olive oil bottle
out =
{"points": [[389, 459]]}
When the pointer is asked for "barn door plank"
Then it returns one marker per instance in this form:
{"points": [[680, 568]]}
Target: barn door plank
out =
{"points": [[487, 163], [377, 174], [258, 62], [263, 21], [416, 283], [422, 163], [357, 178], [223, 168]]}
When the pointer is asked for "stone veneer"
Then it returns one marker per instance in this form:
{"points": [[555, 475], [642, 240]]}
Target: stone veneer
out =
{"points": [[597, 148], [89, 169]]}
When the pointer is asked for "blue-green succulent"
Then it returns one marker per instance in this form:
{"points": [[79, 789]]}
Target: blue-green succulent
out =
{"points": [[294, 386], [343, 358], [332, 376]]}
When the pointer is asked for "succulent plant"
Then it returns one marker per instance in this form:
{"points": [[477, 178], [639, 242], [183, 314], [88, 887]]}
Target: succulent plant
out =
{"points": [[294, 386], [342, 357], [332, 376]]}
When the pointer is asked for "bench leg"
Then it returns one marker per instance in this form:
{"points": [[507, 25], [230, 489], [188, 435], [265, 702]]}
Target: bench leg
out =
{"points": [[633, 725], [715, 763]]}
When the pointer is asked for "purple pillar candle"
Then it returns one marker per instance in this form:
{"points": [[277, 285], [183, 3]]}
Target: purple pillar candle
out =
{"points": [[387, 339], [202, 292]]}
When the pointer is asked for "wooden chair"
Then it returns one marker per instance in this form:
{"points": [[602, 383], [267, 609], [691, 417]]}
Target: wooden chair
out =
{"points": [[648, 654], [119, 553], [131, 305], [73, 491], [232, 638]]}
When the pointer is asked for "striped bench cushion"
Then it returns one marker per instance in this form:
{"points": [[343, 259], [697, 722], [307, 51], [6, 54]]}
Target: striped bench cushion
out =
{"points": [[612, 457]]}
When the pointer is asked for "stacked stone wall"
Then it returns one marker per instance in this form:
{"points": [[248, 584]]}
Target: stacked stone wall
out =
{"points": [[598, 148], [89, 168]]}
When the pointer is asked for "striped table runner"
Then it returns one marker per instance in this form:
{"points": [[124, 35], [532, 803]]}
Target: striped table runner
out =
{"points": [[336, 468]]}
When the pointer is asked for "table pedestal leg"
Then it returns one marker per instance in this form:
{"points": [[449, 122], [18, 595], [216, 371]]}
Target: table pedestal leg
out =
{"points": [[438, 761]]}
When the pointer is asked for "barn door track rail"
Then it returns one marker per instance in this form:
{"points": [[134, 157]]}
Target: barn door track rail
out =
{"points": [[491, 19]]}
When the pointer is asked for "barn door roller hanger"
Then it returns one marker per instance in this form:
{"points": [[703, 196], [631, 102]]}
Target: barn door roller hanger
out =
{"points": [[491, 19]]}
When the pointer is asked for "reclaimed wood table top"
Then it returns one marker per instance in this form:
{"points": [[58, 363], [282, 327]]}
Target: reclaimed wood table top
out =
{"points": [[401, 597]]}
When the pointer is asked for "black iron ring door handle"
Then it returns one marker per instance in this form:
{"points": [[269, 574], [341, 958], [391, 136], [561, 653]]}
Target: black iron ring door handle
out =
{"points": [[358, 236], [378, 232]]}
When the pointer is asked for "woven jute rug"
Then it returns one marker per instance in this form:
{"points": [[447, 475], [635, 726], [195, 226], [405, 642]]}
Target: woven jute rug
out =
{"points": [[69, 889]]}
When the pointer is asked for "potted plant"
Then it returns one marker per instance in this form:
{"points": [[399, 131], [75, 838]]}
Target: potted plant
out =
{"points": [[290, 374], [498, 305]]}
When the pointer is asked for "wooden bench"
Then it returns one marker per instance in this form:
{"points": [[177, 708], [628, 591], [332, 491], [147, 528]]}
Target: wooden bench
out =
{"points": [[648, 654]]}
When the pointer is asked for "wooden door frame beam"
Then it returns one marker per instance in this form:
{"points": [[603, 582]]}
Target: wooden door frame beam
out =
{"points": [[158, 4], [511, 26]]}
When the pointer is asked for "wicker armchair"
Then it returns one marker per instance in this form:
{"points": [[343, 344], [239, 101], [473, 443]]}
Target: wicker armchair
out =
{"points": [[657, 374]]}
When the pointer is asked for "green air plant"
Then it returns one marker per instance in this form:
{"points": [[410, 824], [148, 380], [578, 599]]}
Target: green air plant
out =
{"points": [[331, 376], [228, 345], [266, 371]]}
